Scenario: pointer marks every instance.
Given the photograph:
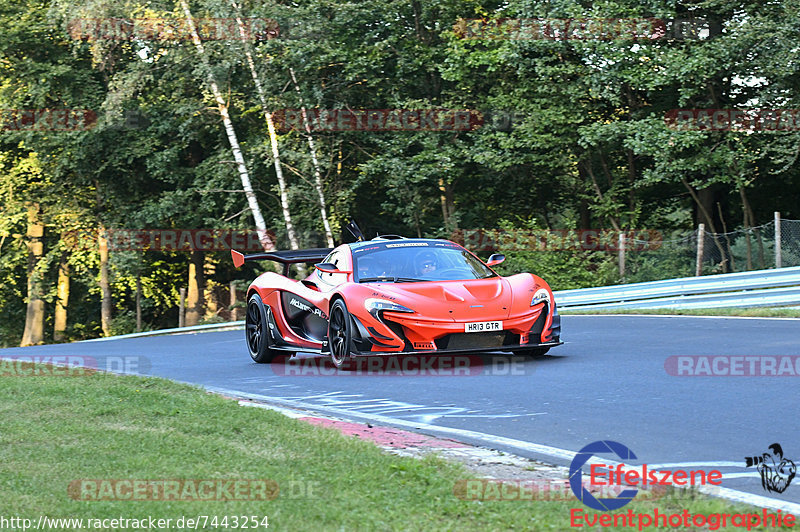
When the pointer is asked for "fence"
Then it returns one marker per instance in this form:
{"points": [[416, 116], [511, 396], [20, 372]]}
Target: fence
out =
{"points": [[647, 255], [703, 253]]}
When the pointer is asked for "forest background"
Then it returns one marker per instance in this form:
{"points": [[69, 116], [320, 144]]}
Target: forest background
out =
{"points": [[133, 116]]}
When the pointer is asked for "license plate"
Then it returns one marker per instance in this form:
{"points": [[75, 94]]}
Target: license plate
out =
{"points": [[483, 326]]}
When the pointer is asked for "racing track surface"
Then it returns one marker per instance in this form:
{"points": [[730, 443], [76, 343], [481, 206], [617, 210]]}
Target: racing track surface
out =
{"points": [[608, 382]]}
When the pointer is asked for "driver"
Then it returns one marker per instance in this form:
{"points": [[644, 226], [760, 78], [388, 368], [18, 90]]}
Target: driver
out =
{"points": [[372, 267], [426, 263], [366, 265]]}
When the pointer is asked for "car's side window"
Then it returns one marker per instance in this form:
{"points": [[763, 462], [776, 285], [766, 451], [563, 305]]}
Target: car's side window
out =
{"points": [[334, 279]]}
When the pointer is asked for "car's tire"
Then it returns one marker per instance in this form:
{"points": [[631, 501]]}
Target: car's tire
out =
{"points": [[340, 333], [256, 331]]}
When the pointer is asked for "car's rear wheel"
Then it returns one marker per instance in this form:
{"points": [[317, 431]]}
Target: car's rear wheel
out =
{"points": [[257, 331], [339, 333]]}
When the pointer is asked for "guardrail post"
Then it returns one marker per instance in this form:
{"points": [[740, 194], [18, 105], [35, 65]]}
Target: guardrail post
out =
{"points": [[778, 259], [182, 308], [621, 254], [701, 239]]}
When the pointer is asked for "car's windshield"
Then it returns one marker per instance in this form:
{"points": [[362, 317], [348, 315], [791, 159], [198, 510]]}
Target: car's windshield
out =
{"points": [[414, 260]]}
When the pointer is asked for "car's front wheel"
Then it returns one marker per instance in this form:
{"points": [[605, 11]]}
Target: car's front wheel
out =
{"points": [[257, 331], [339, 333]]}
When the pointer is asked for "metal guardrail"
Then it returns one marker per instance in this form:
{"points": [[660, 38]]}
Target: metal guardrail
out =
{"points": [[209, 327], [762, 288]]}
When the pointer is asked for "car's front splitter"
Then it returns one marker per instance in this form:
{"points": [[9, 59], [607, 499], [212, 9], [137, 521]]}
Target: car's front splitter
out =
{"points": [[503, 348]]}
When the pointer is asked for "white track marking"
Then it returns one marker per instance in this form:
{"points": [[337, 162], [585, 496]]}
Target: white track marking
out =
{"points": [[749, 474], [697, 464]]}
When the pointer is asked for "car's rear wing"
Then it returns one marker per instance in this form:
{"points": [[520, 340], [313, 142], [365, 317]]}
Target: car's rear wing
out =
{"points": [[288, 257]]}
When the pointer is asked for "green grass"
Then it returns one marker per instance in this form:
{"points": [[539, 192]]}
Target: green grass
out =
{"points": [[59, 429], [750, 312]]}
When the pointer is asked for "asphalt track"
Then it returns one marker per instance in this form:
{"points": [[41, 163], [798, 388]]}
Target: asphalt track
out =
{"points": [[608, 382]]}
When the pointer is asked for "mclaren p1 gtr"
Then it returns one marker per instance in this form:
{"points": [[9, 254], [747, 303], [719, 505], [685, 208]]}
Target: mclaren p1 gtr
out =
{"points": [[395, 295]]}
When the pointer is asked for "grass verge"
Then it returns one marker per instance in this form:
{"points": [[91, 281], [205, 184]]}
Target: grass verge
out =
{"points": [[748, 312], [57, 430]]}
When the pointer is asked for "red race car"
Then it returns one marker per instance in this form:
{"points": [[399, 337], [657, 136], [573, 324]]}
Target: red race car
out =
{"points": [[393, 295]]}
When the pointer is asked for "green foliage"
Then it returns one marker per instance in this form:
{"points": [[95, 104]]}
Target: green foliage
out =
{"points": [[577, 137], [563, 269]]}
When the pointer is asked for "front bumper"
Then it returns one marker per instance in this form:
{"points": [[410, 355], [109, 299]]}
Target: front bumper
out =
{"points": [[511, 348], [416, 334]]}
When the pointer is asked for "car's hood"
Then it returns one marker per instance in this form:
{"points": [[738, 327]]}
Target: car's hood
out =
{"points": [[473, 300]]}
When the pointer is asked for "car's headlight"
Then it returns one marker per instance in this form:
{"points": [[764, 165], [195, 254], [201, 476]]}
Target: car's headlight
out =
{"points": [[541, 296], [375, 306]]}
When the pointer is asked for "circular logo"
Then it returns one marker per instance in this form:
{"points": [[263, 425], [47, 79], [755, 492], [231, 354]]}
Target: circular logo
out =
{"points": [[576, 475]]}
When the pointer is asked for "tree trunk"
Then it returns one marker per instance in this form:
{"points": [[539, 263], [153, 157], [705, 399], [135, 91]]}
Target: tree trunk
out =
{"points": [[448, 204], [138, 302], [233, 300], [273, 137], [443, 200], [747, 227], [727, 238], [33, 333], [748, 211], [585, 215], [62, 303], [587, 168], [315, 162], [631, 180], [702, 200], [252, 201], [211, 288], [105, 288], [195, 297]]}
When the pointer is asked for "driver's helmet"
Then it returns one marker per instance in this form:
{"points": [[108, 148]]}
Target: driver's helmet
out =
{"points": [[426, 263]]}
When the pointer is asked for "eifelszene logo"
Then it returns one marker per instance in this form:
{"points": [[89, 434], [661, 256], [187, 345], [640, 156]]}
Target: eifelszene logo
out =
{"points": [[623, 475], [576, 475], [776, 471]]}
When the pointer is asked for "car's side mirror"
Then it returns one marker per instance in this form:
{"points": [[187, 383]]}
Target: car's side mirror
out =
{"points": [[495, 259], [328, 267]]}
